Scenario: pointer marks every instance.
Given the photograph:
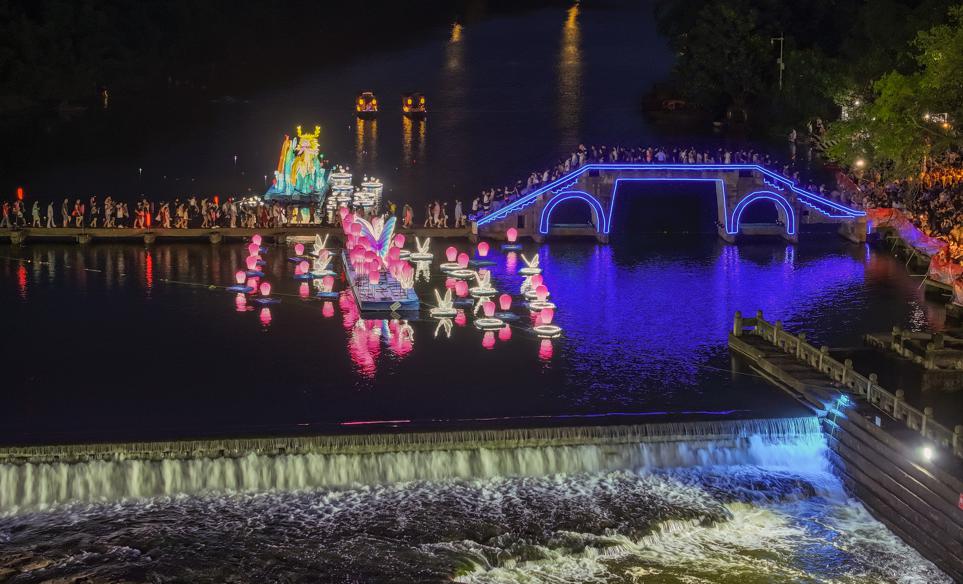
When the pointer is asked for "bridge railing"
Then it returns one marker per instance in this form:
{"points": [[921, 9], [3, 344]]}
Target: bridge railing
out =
{"points": [[866, 387]]}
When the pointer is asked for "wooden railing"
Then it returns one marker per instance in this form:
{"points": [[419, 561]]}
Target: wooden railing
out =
{"points": [[893, 404]]}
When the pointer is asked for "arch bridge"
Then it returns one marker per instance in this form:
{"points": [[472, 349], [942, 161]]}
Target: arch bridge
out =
{"points": [[736, 185]]}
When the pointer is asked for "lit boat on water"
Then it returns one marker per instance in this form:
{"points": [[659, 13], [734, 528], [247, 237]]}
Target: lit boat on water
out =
{"points": [[366, 105], [413, 105]]}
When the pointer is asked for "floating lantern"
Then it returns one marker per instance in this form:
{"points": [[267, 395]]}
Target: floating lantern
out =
{"points": [[460, 318], [444, 308], [488, 307], [304, 267], [394, 253], [461, 288], [374, 276], [541, 292], [253, 248], [327, 283], [451, 253], [536, 280], [488, 340], [531, 266], [505, 333], [422, 252], [547, 314], [251, 263], [463, 260], [505, 302], [399, 240], [356, 229], [303, 290], [545, 350], [299, 249], [511, 234], [256, 240], [483, 248], [239, 277], [265, 289]]}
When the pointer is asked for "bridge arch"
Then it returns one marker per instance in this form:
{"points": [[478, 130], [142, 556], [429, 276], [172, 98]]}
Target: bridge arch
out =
{"points": [[601, 225], [784, 209]]}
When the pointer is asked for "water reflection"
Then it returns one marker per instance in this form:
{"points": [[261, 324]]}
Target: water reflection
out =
{"points": [[570, 81], [366, 145], [413, 134]]}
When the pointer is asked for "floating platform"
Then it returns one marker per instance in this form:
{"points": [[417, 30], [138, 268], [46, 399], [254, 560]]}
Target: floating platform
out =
{"points": [[385, 296]]}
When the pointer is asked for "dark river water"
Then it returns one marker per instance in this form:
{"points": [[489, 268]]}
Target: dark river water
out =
{"points": [[123, 342]]}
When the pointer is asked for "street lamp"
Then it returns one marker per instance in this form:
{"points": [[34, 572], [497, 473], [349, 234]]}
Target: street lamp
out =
{"points": [[779, 62]]}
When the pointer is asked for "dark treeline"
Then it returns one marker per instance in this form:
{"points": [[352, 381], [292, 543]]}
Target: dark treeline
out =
{"points": [[56, 51], [833, 49]]}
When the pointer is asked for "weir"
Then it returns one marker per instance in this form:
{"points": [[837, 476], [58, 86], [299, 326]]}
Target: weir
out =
{"points": [[39, 476]]}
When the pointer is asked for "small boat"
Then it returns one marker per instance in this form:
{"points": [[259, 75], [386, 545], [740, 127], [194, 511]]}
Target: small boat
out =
{"points": [[366, 105], [413, 105]]}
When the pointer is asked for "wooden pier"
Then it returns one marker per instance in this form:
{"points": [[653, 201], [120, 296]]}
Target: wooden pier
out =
{"points": [[904, 466], [214, 235]]}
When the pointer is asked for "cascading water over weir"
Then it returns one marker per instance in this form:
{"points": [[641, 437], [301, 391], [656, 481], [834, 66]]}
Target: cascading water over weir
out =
{"points": [[41, 476]]}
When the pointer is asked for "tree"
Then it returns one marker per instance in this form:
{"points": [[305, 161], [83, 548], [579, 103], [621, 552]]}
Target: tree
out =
{"points": [[725, 58]]}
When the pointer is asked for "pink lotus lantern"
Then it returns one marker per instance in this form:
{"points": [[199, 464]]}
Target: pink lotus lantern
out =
{"points": [[505, 333], [407, 270], [463, 260], [511, 234], [239, 277], [547, 314], [303, 290], [252, 283], [343, 212], [265, 289], [256, 239], [488, 341], [461, 288], [505, 302], [327, 283], [374, 276], [253, 248], [400, 240], [541, 292], [537, 280], [451, 253], [356, 229], [304, 267], [265, 316], [394, 253], [327, 311], [488, 307], [298, 249], [483, 248], [450, 282], [251, 263]]}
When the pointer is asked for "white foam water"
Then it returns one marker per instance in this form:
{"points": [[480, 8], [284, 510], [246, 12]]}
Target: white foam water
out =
{"points": [[25, 486]]}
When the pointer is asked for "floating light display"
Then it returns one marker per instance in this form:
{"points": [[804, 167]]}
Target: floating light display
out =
{"points": [[483, 248], [299, 249], [539, 305], [265, 298], [327, 311], [251, 263], [512, 235], [319, 245], [543, 324], [240, 276], [531, 266], [422, 252], [545, 350], [461, 288], [451, 253], [265, 289], [253, 248], [505, 302], [484, 287], [539, 293], [327, 284], [304, 290], [445, 307], [300, 172]]}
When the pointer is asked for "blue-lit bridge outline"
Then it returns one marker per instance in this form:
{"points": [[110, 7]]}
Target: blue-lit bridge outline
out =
{"points": [[732, 220]]}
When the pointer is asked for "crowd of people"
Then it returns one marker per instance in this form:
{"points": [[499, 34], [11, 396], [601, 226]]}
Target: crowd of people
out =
{"points": [[933, 201], [493, 199]]}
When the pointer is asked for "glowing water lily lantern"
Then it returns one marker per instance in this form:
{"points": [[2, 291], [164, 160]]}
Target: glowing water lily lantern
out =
{"points": [[253, 248], [461, 288], [505, 302], [505, 333], [483, 248], [256, 240], [299, 249], [451, 253], [488, 307], [512, 235], [239, 277], [251, 263], [541, 292], [463, 260], [399, 240]]}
